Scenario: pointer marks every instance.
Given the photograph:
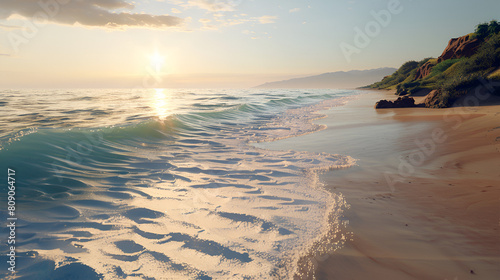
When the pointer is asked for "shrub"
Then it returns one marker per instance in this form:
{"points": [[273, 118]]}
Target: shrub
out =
{"points": [[494, 27], [485, 30], [408, 88], [461, 82], [407, 67], [401, 90], [481, 30], [405, 73]]}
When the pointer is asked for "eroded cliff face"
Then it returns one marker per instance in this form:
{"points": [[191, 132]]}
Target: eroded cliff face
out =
{"points": [[424, 70], [460, 47], [457, 48]]}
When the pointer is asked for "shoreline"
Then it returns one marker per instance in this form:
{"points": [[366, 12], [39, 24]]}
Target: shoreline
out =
{"points": [[442, 221]]}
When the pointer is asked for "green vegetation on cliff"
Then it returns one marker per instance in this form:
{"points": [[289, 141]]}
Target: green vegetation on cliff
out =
{"points": [[403, 75], [460, 68]]}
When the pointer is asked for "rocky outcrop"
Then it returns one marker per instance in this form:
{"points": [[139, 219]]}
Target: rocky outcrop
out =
{"points": [[457, 48], [460, 47], [432, 100], [424, 70], [401, 102]]}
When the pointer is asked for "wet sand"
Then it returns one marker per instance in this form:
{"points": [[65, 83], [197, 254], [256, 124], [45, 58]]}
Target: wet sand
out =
{"points": [[438, 214]]}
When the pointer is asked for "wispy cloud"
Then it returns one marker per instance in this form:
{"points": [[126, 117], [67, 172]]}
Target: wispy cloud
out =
{"points": [[207, 24], [4, 54], [98, 13], [4, 26], [236, 20], [294, 10], [176, 11], [267, 19], [214, 5], [223, 13]]}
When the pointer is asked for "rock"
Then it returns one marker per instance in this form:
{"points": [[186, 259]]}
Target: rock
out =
{"points": [[457, 48], [424, 70], [432, 101], [383, 104], [401, 102], [460, 47], [404, 102]]}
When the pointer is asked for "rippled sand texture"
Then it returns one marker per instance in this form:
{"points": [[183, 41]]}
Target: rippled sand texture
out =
{"points": [[169, 194]]}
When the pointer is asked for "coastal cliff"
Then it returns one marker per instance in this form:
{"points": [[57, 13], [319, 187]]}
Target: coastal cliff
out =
{"points": [[465, 63]]}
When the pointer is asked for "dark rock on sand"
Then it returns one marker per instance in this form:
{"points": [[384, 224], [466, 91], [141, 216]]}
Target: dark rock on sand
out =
{"points": [[432, 99], [401, 102]]}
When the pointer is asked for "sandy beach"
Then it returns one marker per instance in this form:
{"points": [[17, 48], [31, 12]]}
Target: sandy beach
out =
{"points": [[425, 196], [240, 140]]}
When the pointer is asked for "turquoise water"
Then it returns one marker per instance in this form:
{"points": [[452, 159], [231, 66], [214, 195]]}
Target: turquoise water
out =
{"points": [[163, 184]]}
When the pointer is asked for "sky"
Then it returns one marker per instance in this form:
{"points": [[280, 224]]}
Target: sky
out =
{"points": [[219, 43]]}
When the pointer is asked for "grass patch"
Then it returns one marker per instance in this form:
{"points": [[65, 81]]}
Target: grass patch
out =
{"points": [[442, 66]]}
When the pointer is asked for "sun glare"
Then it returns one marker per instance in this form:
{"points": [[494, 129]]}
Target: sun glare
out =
{"points": [[157, 61]]}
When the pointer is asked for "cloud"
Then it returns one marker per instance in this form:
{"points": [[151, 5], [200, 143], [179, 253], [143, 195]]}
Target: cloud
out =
{"points": [[220, 21], [222, 13], [176, 11], [267, 19], [207, 24], [214, 5], [4, 26], [98, 13], [294, 10], [4, 54]]}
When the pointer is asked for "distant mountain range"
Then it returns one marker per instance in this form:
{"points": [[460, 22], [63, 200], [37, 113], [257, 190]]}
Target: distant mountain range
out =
{"points": [[341, 79]]}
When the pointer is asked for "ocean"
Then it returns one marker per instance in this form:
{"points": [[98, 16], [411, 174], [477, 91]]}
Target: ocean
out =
{"points": [[165, 183]]}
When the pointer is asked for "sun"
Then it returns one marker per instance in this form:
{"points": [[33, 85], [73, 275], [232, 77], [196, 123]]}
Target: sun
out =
{"points": [[157, 61]]}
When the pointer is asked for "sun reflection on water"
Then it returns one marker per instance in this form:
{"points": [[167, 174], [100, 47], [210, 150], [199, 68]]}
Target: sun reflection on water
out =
{"points": [[162, 101]]}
